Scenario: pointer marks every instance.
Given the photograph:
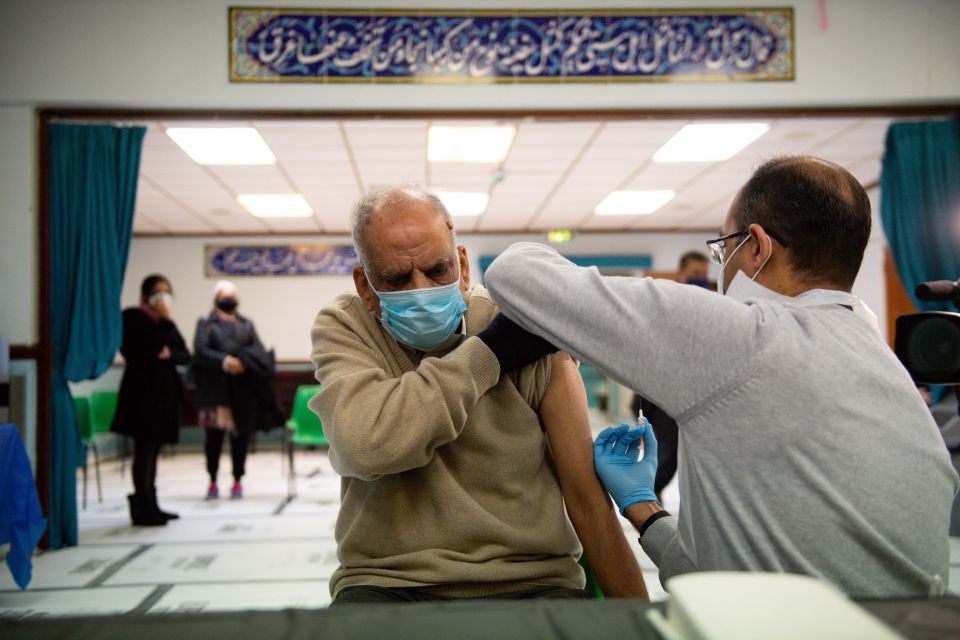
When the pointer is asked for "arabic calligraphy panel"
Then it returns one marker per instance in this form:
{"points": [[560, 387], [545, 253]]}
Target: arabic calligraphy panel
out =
{"points": [[349, 45], [292, 260]]}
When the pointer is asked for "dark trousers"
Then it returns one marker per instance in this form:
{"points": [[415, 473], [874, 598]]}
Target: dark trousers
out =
{"points": [[368, 594], [668, 441], [145, 454], [213, 444]]}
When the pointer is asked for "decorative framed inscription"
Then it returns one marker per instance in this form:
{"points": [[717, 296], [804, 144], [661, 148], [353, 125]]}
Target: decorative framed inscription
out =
{"points": [[421, 46], [292, 260]]}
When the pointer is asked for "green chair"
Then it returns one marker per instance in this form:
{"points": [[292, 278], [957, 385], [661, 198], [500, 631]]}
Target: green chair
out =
{"points": [[592, 586], [81, 405], [103, 406], [303, 429]]}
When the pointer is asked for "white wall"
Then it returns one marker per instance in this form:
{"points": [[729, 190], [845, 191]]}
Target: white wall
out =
{"points": [[18, 221], [283, 308], [173, 54], [871, 284]]}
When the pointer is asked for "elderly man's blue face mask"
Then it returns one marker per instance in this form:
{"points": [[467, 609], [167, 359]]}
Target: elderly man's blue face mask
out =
{"points": [[422, 318]]}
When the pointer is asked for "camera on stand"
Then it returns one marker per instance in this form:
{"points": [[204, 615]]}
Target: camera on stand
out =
{"points": [[928, 343]]}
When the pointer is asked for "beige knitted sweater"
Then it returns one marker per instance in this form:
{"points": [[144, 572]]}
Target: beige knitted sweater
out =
{"points": [[447, 480]]}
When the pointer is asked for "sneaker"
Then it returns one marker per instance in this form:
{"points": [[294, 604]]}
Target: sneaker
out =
{"points": [[213, 492], [237, 491]]}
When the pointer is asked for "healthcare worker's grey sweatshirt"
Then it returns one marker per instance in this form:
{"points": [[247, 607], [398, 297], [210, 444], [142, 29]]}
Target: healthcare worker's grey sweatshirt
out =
{"points": [[804, 445]]}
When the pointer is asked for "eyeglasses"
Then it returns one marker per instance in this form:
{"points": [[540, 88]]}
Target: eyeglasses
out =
{"points": [[717, 248]]}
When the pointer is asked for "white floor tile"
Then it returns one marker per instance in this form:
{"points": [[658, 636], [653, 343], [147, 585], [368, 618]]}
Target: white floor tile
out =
{"points": [[223, 555], [101, 601], [244, 597], [217, 529], [230, 562], [70, 567]]}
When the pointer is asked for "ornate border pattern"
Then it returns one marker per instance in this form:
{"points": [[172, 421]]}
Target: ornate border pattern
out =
{"points": [[414, 46]]}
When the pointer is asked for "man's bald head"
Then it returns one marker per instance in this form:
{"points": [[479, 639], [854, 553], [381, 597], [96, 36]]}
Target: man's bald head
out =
{"points": [[818, 209], [392, 200]]}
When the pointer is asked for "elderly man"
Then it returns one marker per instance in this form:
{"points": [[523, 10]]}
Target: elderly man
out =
{"points": [[453, 459], [805, 447]]}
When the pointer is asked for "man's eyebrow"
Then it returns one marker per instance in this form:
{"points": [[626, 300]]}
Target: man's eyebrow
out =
{"points": [[443, 263], [393, 275]]}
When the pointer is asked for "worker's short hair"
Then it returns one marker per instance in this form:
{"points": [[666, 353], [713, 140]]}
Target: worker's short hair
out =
{"points": [[817, 209]]}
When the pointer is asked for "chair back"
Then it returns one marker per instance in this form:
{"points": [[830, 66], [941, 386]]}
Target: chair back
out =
{"points": [[81, 404], [103, 405], [306, 424]]}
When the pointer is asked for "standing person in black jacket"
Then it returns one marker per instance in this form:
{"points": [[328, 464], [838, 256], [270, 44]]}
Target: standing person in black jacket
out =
{"points": [[230, 365], [148, 405]]}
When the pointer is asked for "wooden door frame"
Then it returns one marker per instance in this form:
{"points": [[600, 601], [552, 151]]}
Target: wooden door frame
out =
{"points": [[45, 116]]}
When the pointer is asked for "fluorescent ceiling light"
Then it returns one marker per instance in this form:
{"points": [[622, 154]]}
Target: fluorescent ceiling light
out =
{"points": [[633, 203], [276, 205], [469, 144], [223, 146], [464, 203], [710, 142]]}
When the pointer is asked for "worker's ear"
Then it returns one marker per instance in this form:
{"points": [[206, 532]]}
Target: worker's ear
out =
{"points": [[464, 268], [365, 290], [760, 251]]}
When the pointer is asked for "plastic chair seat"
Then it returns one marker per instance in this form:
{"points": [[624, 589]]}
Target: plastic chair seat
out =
{"points": [[303, 429]]}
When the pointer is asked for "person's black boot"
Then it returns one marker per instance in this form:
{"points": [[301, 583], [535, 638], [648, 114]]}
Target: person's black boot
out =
{"points": [[156, 507], [143, 517]]}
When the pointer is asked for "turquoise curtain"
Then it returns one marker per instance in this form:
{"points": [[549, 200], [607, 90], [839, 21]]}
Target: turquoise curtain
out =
{"points": [[920, 202], [93, 189]]}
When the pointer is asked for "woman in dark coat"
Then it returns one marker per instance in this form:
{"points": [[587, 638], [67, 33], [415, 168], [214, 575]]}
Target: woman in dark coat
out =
{"points": [[230, 366], [148, 405]]}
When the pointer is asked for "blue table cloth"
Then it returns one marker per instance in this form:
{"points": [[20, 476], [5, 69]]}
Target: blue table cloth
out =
{"points": [[21, 520]]}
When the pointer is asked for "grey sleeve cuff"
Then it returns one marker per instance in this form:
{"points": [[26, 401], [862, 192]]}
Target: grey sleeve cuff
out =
{"points": [[656, 538]]}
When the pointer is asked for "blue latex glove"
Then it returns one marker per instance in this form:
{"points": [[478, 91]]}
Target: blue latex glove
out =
{"points": [[616, 456]]}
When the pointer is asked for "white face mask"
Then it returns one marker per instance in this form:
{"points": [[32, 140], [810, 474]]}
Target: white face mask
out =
{"points": [[164, 296], [743, 289], [727, 261]]}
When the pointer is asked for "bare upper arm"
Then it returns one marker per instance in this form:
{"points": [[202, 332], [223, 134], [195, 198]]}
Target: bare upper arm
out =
{"points": [[563, 412]]}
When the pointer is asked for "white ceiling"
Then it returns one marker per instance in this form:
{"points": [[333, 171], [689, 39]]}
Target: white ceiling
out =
{"points": [[554, 175]]}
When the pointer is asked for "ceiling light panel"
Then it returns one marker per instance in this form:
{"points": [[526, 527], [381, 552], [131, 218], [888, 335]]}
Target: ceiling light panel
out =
{"points": [[469, 144], [633, 203], [464, 203], [276, 205], [710, 142], [222, 145]]}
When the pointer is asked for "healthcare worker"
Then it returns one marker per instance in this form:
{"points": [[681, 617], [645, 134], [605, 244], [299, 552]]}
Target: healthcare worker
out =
{"points": [[804, 445]]}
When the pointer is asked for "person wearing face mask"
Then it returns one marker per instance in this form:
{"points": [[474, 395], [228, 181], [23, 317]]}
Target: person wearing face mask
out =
{"points": [[693, 271], [150, 396], [804, 446], [464, 475], [230, 362]]}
